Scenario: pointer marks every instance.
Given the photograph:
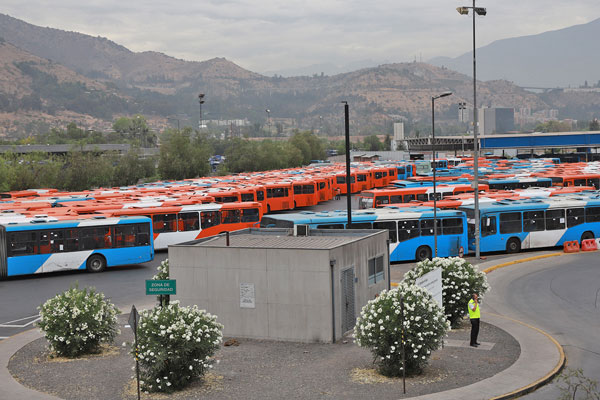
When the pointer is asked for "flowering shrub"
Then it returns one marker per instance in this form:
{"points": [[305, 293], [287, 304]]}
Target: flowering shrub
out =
{"points": [[460, 279], [379, 328], [175, 345], [163, 271], [77, 321]]}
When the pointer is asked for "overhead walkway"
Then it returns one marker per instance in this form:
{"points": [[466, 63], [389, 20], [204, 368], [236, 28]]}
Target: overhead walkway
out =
{"points": [[508, 141]]}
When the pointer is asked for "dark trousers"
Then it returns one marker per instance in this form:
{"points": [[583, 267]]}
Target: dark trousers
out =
{"points": [[474, 330]]}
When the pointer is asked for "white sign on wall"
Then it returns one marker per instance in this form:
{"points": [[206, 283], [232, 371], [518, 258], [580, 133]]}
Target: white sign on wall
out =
{"points": [[247, 297], [432, 282]]}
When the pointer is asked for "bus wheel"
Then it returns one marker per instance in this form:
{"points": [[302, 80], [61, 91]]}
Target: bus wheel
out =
{"points": [[513, 245], [96, 263], [423, 253], [587, 235]]}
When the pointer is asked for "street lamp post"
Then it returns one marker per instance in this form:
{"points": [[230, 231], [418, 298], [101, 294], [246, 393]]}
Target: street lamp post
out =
{"points": [[479, 11], [348, 177], [433, 98], [200, 102], [462, 106], [268, 120]]}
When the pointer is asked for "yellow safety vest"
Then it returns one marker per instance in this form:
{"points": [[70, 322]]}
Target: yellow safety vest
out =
{"points": [[473, 314]]}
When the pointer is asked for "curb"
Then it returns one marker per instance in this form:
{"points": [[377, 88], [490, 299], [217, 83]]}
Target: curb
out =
{"points": [[561, 362], [542, 381], [562, 359], [522, 260]]}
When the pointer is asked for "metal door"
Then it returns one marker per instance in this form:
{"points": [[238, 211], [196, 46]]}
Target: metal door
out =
{"points": [[348, 315]]}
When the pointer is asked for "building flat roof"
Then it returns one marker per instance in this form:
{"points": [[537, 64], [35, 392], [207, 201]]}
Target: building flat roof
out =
{"points": [[278, 238]]}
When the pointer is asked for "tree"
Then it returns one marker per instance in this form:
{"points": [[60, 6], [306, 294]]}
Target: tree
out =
{"points": [[594, 125], [372, 143], [136, 128], [180, 158], [387, 143]]}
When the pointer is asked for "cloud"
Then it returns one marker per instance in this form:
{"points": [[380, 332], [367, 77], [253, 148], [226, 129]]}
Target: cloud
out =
{"points": [[272, 35]]}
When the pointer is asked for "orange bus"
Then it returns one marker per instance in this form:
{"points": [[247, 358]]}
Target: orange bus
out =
{"points": [[305, 193], [280, 196], [172, 225], [381, 197]]}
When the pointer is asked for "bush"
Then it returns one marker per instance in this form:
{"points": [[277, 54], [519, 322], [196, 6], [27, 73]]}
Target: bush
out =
{"points": [[379, 328], [175, 346], [77, 321], [163, 271], [460, 279]]}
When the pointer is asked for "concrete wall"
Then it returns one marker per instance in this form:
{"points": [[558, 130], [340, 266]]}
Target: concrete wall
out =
{"points": [[357, 255], [292, 290], [293, 297]]}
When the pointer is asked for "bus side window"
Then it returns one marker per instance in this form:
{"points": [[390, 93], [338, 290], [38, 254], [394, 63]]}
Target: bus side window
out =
{"points": [[555, 219], [188, 221], [23, 243], [488, 226], [209, 218], [71, 240], [390, 226], [575, 216], [533, 221], [408, 229], [452, 226], [142, 234], [250, 215], [511, 222], [592, 214]]}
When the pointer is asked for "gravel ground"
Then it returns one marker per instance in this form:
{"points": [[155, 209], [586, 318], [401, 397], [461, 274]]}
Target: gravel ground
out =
{"points": [[259, 369]]}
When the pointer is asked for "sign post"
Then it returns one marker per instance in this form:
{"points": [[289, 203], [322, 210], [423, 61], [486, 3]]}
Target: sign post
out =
{"points": [[161, 288], [134, 318]]}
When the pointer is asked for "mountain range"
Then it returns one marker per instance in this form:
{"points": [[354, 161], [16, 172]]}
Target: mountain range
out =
{"points": [[49, 77], [560, 58]]}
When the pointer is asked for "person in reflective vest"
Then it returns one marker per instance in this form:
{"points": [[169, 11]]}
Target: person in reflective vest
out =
{"points": [[474, 315]]}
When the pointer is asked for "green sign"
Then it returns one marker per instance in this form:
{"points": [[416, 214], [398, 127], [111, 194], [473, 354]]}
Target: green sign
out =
{"points": [[161, 287]]}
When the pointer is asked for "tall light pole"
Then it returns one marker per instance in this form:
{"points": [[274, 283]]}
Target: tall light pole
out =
{"points": [[200, 102], [462, 106], [348, 177], [433, 98], [268, 120], [479, 11]]}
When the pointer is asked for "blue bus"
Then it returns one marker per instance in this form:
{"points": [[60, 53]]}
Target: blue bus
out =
{"points": [[92, 244], [524, 224], [411, 230]]}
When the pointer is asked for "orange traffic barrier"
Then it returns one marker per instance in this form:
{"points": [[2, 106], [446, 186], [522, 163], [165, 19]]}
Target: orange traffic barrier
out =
{"points": [[571, 246], [589, 245]]}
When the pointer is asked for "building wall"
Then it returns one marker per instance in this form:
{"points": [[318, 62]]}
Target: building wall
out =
{"points": [[292, 287]]}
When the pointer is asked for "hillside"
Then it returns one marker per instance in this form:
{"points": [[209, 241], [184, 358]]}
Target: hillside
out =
{"points": [[67, 76], [561, 58], [36, 92]]}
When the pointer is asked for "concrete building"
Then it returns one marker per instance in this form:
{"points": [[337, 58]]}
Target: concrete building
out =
{"points": [[495, 120], [272, 284]]}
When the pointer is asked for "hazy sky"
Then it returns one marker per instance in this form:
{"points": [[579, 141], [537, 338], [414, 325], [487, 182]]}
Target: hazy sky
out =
{"points": [[269, 35]]}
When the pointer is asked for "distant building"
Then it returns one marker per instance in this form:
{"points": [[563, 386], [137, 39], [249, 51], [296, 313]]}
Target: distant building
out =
{"points": [[496, 120]]}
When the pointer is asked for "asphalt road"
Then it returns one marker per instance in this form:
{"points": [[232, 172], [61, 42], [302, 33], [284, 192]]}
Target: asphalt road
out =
{"points": [[560, 295], [20, 296]]}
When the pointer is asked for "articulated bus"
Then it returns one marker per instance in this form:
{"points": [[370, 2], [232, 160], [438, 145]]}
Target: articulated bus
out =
{"points": [[525, 224], [381, 197], [92, 244], [411, 230], [174, 225]]}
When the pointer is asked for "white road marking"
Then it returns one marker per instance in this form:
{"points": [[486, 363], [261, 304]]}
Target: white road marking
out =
{"points": [[11, 324]]}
